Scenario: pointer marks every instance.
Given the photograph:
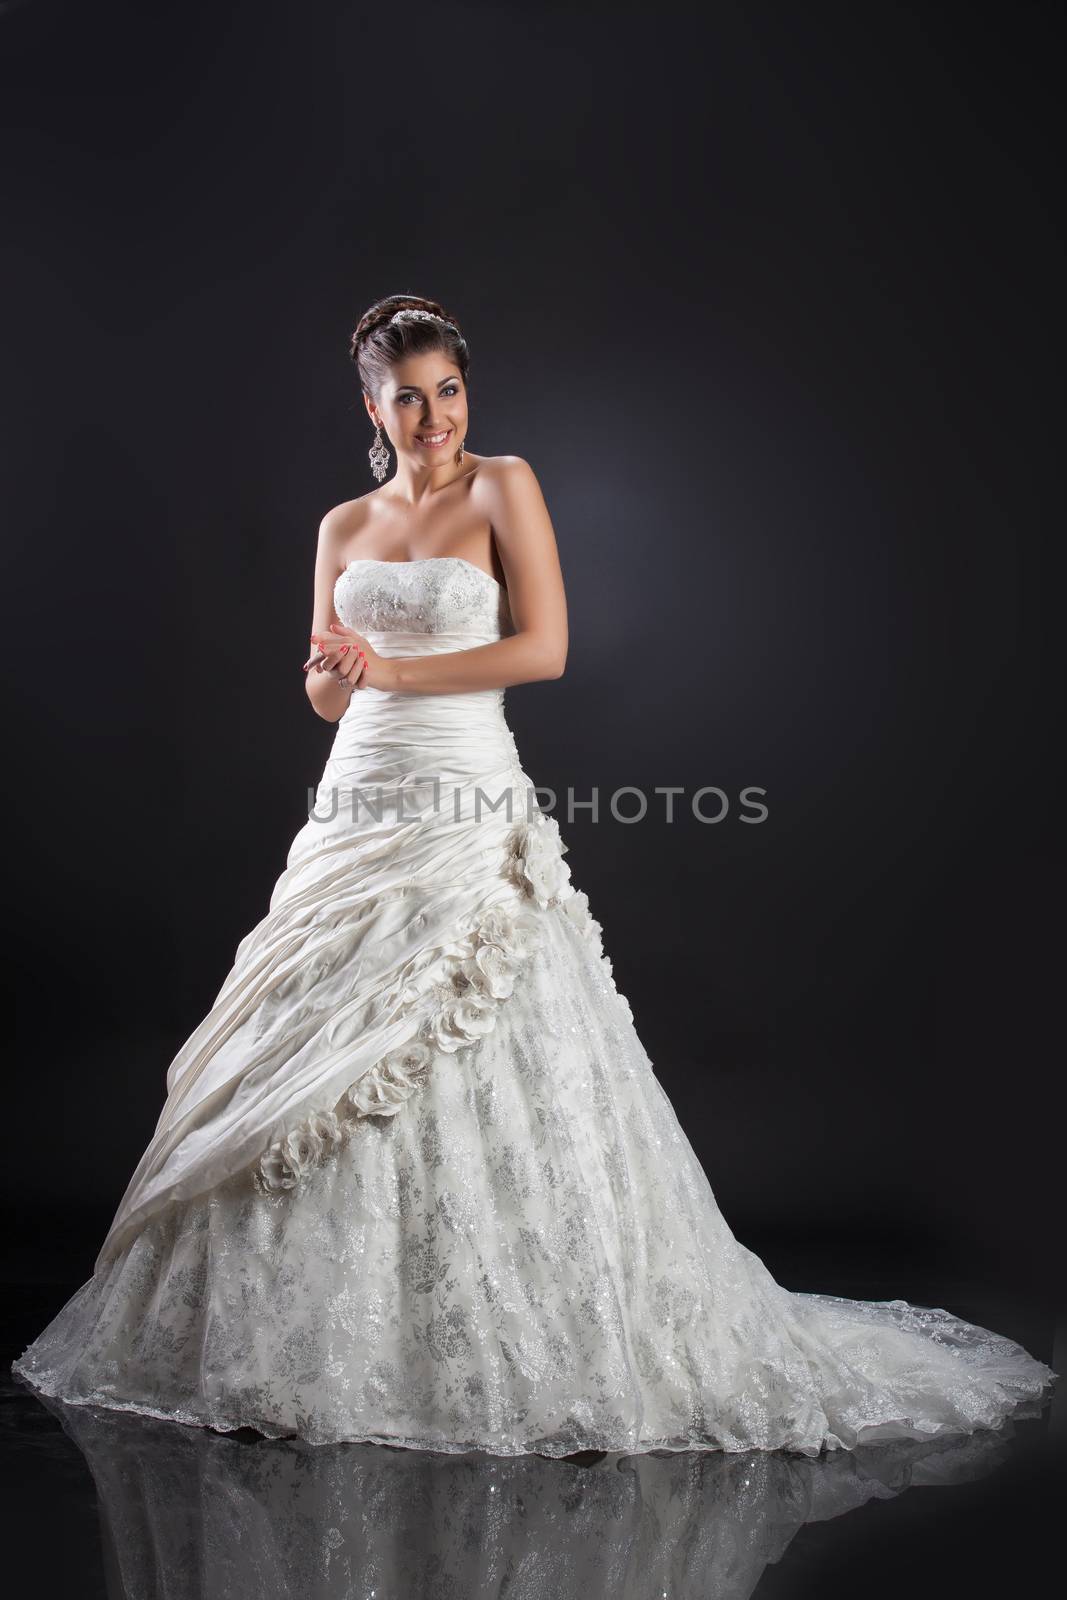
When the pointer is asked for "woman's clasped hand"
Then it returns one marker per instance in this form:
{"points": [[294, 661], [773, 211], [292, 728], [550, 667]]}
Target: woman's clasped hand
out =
{"points": [[347, 657]]}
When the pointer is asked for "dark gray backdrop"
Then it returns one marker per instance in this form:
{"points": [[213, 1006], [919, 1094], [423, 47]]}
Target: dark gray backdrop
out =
{"points": [[765, 298]]}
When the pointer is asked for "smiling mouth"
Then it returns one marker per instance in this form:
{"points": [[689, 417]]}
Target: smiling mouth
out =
{"points": [[434, 441]]}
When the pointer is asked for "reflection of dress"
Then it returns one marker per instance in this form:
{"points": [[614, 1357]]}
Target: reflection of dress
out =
{"points": [[415, 1179], [229, 1519]]}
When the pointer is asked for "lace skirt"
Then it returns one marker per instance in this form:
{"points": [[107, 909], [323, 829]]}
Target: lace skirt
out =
{"points": [[528, 1258]]}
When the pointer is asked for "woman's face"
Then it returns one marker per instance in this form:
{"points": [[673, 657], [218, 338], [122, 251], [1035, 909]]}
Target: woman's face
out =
{"points": [[422, 399]]}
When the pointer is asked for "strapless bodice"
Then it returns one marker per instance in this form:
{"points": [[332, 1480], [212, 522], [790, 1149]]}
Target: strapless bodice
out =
{"points": [[434, 595], [433, 606]]}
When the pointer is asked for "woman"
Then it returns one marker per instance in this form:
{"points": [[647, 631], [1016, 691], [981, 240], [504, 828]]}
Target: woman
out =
{"points": [[415, 1180]]}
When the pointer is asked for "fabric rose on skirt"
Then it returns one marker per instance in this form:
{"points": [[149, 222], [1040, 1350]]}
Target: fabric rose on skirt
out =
{"points": [[382, 1091], [537, 864]]}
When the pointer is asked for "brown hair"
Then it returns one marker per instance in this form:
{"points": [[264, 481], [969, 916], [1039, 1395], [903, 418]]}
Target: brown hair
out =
{"points": [[377, 342]]}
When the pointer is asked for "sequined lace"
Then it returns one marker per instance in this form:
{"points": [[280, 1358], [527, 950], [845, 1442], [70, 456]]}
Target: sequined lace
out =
{"points": [[436, 595]]}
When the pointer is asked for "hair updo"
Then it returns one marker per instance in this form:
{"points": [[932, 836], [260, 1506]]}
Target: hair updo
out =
{"points": [[378, 343]]}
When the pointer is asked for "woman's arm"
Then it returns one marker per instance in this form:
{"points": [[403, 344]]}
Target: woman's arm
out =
{"points": [[329, 698], [537, 650]]}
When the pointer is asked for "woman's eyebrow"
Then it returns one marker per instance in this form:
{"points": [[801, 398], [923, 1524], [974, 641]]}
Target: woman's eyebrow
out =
{"points": [[416, 388]]}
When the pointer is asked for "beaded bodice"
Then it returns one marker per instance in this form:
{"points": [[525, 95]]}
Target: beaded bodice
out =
{"points": [[437, 594]]}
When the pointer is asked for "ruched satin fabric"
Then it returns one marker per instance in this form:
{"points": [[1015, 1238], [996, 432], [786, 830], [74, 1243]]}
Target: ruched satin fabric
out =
{"points": [[400, 856]]}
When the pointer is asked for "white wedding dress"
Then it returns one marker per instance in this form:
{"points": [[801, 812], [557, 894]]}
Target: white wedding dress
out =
{"points": [[415, 1180]]}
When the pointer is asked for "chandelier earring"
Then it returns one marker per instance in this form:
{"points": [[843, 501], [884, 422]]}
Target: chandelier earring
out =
{"points": [[379, 455]]}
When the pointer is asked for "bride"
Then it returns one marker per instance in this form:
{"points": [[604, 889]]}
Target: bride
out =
{"points": [[415, 1181]]}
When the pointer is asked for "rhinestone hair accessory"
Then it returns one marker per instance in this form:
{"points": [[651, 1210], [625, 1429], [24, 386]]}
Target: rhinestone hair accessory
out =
{"points": [[423, 316]]}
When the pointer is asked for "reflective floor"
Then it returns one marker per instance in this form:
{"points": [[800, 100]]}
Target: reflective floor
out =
{"points": [[109, 1504]]}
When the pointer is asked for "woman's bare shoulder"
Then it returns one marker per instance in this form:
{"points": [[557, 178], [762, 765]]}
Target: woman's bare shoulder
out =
{"points": [[504, 465], [344, 526], [350, 515], [504, 476]]}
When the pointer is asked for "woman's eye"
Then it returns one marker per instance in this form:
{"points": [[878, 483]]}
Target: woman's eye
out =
{"points": [[450, 388]]}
